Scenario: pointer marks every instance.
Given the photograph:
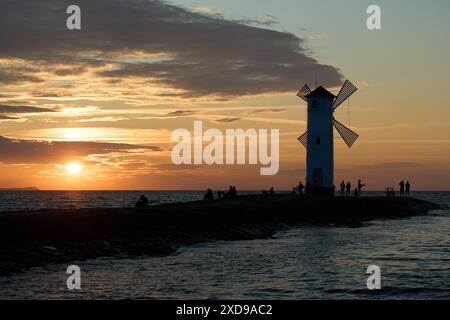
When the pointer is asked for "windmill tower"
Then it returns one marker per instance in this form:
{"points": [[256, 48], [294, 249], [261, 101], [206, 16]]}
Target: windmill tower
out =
{"points": [[318, 139]]}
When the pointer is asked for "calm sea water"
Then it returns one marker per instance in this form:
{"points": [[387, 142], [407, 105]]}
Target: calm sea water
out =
{"points": [[32, 200], [300, 263]]}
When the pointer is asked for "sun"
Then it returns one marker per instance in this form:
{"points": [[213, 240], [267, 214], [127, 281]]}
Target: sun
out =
{"points": [[73, 168]]}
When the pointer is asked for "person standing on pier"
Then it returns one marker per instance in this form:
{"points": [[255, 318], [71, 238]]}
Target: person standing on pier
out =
{"points": [[402, 188], [209, 196], [349, 189], [342, 188], [360, 186], [408, 188], [300, 188]]}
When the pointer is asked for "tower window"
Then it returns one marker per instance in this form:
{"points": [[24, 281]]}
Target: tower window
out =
{"points": [[318, 141]]}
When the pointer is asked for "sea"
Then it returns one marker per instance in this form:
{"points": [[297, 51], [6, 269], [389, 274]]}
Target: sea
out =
{"points": [[413, 256]]}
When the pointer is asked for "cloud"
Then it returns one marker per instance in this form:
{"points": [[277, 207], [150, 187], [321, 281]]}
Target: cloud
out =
{"points": [[6, 109], [3, 117], [272, 110], [227, 120], [49, 93], [180, 113], [162, 44], [15, 76], [267, 21], [207, 10], [43, 152], [8, 112]]}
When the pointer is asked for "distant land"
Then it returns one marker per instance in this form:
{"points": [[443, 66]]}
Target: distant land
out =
{"points": [[20, 189]]}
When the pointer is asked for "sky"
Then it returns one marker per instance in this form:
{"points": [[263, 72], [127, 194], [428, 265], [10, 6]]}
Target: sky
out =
{"points": [[95, 108]]}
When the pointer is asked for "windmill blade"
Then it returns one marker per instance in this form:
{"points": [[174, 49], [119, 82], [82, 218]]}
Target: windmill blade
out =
{"points": [[304, 139], [348, 135], [347, 90], [304, 92]]}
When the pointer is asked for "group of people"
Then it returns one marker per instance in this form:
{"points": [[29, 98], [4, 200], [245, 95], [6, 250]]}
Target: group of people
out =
{"points": [[302, 188], [232, 193], [209, 196], [271, 192], [346, 189], [405, 188]]}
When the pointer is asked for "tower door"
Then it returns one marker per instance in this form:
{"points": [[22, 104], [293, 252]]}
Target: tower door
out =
{"points": [[318, 177]]}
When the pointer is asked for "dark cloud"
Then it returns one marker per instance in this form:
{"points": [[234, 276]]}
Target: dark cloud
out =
{"points": [[12, 76], [70, 71], [227, 120], [180, 113], [4, 117], [51, 94], [208, 55], [41, 152], [270, 110], [6, 109], [8, 112]]}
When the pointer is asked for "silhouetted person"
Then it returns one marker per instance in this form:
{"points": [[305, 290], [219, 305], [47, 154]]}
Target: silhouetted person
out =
{"points": [[408, 188], [271, 191], [348, 189], [356, 192], [232, 192], [142, 202], [209, 196], [300, 188], [342, 185], [402, 188], [219, 195], [360, 186]]}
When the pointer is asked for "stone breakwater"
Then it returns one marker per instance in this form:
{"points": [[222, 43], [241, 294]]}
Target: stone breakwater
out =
{"points": [[37, 238]]}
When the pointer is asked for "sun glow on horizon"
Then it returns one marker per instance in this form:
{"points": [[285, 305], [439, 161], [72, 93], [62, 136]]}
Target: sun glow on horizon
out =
{"points": [[73, 168]]}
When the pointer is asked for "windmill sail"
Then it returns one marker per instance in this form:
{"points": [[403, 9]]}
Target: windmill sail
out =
{"points": [[347, 90], [304, 92], [304, 139], [348, 135]]}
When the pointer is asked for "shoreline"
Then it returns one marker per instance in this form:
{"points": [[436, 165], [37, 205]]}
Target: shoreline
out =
{"points": [[37, 238]]}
